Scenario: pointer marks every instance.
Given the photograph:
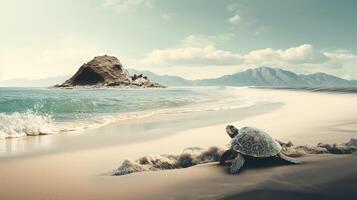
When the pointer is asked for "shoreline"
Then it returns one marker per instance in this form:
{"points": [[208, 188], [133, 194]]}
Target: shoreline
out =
{"points": [[37, 121], [128, 131], [79, 173], [333, 90]]}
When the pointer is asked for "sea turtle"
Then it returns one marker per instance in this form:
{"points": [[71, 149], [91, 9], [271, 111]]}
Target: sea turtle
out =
{"points": [[252, 142]]}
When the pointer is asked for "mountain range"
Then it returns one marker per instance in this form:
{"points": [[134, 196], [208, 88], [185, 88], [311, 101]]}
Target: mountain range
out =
{"points": [[262, 76]]}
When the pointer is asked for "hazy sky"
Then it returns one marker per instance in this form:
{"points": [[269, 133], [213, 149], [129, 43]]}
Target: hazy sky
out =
{"points": [[191, 38]]}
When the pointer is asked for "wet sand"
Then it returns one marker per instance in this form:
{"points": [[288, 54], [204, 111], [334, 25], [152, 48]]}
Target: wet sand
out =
{"points": [[304, 118]]}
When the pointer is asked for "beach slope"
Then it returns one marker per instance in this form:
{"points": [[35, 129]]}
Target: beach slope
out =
{"points": [[304, 118]]}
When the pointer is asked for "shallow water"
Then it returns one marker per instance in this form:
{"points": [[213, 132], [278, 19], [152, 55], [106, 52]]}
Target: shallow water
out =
{"points": [[35, 111]]}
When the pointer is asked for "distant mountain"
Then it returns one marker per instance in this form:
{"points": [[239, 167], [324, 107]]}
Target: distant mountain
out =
{"points": [[263, 76], [45, 82], [326, 80], [266, 76], [163, 79]]}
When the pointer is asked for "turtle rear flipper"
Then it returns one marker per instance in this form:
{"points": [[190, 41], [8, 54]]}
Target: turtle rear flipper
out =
{"points": [[289, 159], [237, 164]]}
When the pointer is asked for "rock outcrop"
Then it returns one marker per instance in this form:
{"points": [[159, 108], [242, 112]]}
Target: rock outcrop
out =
{"points": [[104, 71], [143, 81]]}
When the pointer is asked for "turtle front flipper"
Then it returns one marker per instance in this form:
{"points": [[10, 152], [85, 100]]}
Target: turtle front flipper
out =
{"points": [[226, 156], [289, 159], [237, 164]]}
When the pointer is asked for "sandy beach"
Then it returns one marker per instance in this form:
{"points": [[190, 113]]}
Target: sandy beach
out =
{"points": [[76, 165]]}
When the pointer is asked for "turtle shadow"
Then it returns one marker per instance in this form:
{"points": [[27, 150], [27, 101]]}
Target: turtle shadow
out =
{"points": [[259, 163]]}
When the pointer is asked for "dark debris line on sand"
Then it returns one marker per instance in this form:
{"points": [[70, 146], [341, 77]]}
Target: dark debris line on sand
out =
{"points": [[189, 157], [194, 156]]}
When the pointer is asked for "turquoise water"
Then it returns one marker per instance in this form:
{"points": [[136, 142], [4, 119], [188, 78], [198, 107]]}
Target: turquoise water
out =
{"points": [[35, 111]]}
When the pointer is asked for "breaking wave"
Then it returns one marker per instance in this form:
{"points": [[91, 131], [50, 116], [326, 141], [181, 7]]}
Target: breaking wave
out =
{"points": [[194, 156], [27, 123]]}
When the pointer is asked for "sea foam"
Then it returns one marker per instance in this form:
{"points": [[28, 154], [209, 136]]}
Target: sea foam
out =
{"points": [[26, 123]]}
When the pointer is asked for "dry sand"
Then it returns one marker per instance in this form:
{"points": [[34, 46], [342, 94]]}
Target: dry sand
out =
{"points": [[305, 118]]}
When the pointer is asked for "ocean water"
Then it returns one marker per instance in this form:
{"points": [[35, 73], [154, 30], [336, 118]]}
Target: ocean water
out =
{"points": [[36, 111]]}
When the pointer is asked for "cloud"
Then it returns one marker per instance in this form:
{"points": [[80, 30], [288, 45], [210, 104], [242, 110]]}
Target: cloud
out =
{"points": [[304, 59], [122, 6], [302, 54], [234, 20], [197, 56], [341, 62], [191, 56], [201, 50], [194, 50], [338, 57]]}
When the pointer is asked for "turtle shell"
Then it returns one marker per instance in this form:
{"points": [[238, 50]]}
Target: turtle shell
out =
{"points": [[255, 142]]}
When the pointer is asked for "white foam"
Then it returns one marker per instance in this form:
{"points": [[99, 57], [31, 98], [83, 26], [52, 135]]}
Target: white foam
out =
{"points": [[27, 123]]}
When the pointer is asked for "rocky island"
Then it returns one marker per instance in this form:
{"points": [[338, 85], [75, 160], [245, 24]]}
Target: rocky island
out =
{"points": [[107, 71]]}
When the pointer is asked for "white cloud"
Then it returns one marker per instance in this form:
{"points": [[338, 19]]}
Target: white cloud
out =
{"points": [[302, 54], [201, 50], [341, 63], [194, 50], [197, 56], [122, 6], [191, 56], [234, 19], [305, 59], [341, 57]]}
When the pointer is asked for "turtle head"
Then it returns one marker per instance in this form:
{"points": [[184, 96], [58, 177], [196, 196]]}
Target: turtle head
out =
{"points": [[232, 131]]}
